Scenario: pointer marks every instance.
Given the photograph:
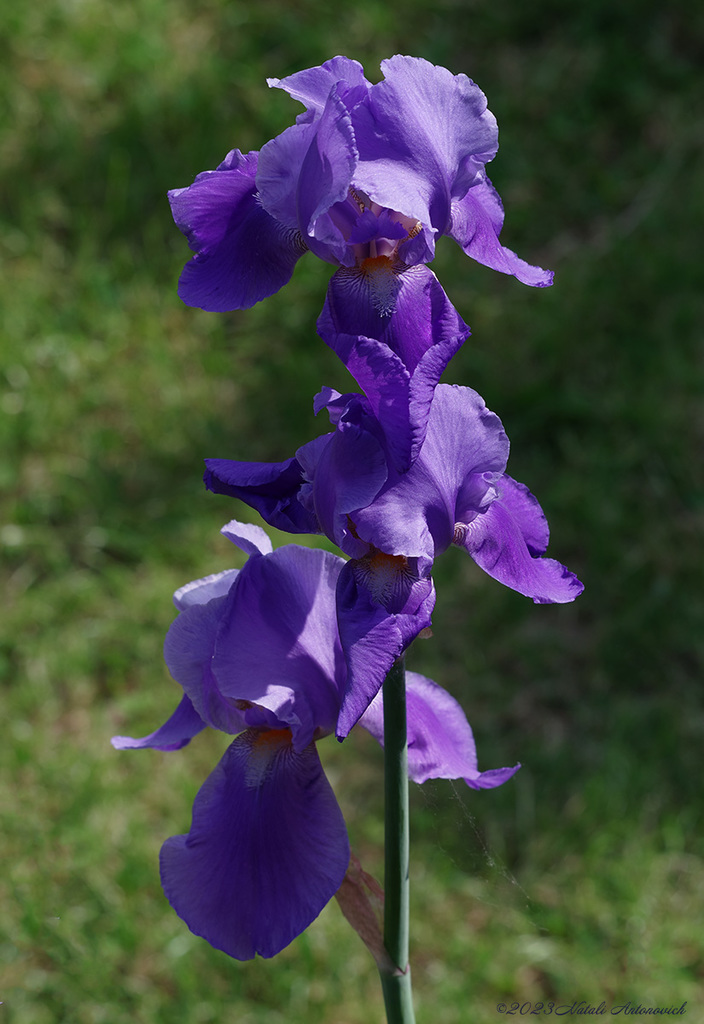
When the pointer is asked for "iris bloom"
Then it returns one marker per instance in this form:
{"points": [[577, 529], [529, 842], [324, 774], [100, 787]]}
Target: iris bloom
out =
{"points": [[368, 179], [393, 525], [258, 656]]}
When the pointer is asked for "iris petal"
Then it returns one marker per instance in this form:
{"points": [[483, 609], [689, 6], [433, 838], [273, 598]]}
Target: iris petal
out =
{"points": [[267, 848], [505, 541], [184, 724], [243, 254], [440, 740]]}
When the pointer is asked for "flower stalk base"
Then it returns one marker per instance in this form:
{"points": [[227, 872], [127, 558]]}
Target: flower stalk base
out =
{"points": [[396, 986]]}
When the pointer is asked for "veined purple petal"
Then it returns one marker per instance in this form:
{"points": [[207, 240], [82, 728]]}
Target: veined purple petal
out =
{"points": [[440, 740], [505, 541], [373, 637], [423, 135], [266, 850], [306, 170], [243, 254], [476, 222], [417, 330], [312, 86], [184, 724], [277, 645]]}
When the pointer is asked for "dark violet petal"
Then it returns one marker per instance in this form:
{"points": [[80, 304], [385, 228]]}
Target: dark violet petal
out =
{"points": [[306, 170], [503, 541], [417, 330], [476, 222], [188, 652], [350, 473], [266, 850], [373, 638], [440, 740], [204, 590], [312, 86], [249, 538], [243, 254], [184, 724], [423, 134], [273, 489], [278, 646]]}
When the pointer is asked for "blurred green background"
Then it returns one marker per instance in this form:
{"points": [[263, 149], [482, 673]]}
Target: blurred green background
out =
{"points": [[581, 879]]}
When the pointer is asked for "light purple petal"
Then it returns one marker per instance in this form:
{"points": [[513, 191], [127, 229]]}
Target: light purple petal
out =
{"points": [[440, 740], [188, 652], [312, 86], [249, 538], [243, 254], [464, 452], [306, 170], [505, 542], [184, 724], [206, 589], [423, 135], [278, 646], [266, 850], [476, 222]]}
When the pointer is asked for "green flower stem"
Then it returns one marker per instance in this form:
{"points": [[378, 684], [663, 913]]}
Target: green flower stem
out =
{"points": [[396, 985]]}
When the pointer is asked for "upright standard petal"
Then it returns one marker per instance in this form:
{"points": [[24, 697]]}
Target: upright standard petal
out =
{"points": [[422, 136], [313, 86], [440, 740], [306, 170], [243, 253], [267, 848]]}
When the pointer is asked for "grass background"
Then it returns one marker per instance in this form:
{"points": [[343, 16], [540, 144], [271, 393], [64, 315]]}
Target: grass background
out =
{"points": [[582, 879]]}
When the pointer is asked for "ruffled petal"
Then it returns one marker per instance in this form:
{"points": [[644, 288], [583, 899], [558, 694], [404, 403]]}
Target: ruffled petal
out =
{"points": [[277, 644], [312, 86], [423, 135], [243, 253], [206, 589], [505, 541], [476, 222], [184, 724], [440, 740], [266, 850], [416, 329], [306, 170]]}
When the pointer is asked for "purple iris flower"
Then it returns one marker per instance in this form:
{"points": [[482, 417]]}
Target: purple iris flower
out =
{"points": [[393, 525], [258, 656], [368, 179]]}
